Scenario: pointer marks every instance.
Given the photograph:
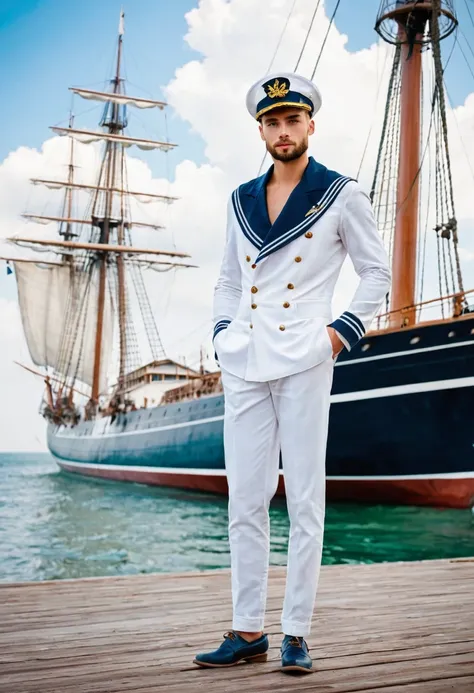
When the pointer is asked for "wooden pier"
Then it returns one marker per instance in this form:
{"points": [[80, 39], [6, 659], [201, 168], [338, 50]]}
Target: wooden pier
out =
{"points": [[385, 628]]}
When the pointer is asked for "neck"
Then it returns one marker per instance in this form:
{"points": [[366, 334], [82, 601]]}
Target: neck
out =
{"points": [[289, 172]]}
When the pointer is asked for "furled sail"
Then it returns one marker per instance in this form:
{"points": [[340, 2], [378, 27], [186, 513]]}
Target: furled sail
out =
{"points": [[88, 136], [122, 99], [58, 306], [140, 196]]}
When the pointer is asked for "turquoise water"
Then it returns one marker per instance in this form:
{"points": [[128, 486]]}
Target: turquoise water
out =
{"points": [[54, 525]]}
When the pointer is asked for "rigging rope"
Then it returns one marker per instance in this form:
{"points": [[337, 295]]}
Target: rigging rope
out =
{"points": [[451, 221], [301, 55], [325, 38], [307, 35], [281, 36]]}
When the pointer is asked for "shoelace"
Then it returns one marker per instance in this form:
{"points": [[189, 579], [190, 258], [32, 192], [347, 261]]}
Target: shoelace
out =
{"points": [[295, 642]]}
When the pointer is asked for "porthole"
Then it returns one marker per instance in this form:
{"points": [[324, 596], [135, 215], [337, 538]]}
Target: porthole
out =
{"points": [[452, 333], [415, 340], [365, 347]]}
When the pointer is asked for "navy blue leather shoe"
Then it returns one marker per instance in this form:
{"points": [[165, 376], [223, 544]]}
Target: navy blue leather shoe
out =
{"points": [[295, 656], [233, 650]]}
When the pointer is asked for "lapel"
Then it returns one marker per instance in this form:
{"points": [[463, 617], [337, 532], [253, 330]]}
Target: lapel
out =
{"points": [[316, 191], [250, 207]]}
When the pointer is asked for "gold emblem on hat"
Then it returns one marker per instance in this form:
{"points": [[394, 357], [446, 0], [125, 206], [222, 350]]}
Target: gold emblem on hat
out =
{"points": [[277, 90], [314, 208]]}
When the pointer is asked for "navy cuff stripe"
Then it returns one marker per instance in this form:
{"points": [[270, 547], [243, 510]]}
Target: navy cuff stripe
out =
{"points": [[353, 317], [349, 329], [352, 324], [221, 325]]}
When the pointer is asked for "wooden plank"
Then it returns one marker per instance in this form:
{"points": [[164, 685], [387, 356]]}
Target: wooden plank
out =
{"points": [[387, 628]]}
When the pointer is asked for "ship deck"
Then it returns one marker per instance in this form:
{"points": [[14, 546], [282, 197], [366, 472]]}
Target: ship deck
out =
{"points": [[384, 628]]}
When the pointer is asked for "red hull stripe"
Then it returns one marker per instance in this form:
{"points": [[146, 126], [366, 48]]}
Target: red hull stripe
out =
{"points": [[455, 492]]}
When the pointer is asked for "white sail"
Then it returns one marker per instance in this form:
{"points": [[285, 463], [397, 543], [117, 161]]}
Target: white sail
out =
{"points": [[124, 99], [58, 309], [89, 136]]}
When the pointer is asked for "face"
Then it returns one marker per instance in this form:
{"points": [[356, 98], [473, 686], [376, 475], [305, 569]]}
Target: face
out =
{"points": [[285, 132]]}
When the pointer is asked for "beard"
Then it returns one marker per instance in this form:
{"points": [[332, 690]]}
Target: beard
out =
{"points": [[294, 153]]}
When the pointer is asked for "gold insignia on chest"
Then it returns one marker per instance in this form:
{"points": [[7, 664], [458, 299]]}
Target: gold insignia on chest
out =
{"points": [[314, 208], [277, 90]]}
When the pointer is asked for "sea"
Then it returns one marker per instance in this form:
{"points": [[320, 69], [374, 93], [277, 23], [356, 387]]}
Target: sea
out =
{"points": [[55, 525]]}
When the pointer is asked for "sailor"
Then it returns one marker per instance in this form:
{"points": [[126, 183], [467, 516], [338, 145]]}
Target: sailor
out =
{"points": [[288, 233]]}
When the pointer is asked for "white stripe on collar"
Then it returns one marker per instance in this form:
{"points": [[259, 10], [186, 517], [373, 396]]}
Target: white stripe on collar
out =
{"points": [[326, 201], [251, 235]]}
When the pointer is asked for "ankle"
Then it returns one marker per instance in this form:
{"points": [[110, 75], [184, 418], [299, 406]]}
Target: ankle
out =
{"points": [[250, 637]]}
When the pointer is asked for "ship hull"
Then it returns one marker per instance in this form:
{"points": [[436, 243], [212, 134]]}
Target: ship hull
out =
{"points": [[401, 428]]}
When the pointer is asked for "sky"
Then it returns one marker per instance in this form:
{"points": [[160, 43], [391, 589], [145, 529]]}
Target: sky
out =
{"points": [[200, 57]]}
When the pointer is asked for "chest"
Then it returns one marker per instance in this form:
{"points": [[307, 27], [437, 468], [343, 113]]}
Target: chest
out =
{"points": [[276, 198]]}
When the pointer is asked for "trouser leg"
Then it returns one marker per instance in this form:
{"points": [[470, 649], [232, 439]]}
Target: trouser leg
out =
{"points": [[252, 457], [302, 405]]}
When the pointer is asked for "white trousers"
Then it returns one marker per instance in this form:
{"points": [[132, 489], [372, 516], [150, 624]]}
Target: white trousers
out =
{"points": [[289, 414]]}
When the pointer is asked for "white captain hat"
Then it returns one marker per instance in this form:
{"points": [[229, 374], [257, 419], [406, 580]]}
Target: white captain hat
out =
{"points": [[282, 89]]}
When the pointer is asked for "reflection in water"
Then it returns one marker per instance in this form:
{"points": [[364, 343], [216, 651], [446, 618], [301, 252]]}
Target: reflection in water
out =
{"points": [[54, 525]]}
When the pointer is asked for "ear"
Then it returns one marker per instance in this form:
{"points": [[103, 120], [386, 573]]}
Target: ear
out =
{"points": [[311, 127], [260, 129]]}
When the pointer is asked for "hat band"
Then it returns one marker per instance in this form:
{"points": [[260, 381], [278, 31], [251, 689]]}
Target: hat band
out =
{"points": [[292, 98], [304, 106]]}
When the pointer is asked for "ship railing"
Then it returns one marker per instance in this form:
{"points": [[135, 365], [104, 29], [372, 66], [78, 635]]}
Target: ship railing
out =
{"points": [[447, 307], [207, 384]]}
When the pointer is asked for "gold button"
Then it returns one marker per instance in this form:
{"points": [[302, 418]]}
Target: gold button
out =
{"points": [[297, 258], [290, 286], [254, 305], [248, 258], [251, 326], [254, 289], [308, 234], [254, 266], [286, 304], [282, 328]]}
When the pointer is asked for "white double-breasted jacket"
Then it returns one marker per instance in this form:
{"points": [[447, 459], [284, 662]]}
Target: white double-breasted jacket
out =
{"points": [[272, 300]]}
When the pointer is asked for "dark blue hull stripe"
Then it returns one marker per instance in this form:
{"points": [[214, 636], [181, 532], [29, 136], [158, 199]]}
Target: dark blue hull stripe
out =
{"points": [[400, 408]]}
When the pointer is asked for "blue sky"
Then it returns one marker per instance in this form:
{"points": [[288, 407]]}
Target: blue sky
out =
{"points": [[48, 45]]}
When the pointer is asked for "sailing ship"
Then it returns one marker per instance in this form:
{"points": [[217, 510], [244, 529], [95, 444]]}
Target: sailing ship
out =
{"points": [[400, 428]]}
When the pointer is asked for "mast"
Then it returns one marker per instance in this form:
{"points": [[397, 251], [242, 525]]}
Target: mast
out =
{"points": [[68, 235], [412, 18], [114, 126], [406, 225], [67, 316]]}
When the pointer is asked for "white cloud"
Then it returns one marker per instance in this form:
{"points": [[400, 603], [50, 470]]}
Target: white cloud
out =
{"points": [[236, 39]]}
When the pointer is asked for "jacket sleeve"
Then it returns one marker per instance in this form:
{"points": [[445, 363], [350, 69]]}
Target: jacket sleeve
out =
{"points": [[228, 289], [360, 237]]}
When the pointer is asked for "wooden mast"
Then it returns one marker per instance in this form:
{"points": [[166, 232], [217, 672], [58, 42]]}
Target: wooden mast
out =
{"points": [[122, 306], [406, 226], [111, 164], [68, 235]]}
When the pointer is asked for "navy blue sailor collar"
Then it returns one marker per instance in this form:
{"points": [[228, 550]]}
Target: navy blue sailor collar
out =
{"points": [[311, 198]]}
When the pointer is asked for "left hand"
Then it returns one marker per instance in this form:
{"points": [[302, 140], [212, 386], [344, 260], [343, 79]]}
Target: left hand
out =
{"points": [[337, 345]]}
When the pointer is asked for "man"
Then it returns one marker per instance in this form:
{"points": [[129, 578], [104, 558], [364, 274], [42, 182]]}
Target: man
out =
{"points": [[288, 233]]}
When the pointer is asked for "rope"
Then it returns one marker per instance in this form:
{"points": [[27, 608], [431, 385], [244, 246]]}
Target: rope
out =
{"points": [[325, 38], [281, 37], [301, 54], [386, 120], [307, 35], [442, 107]]}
